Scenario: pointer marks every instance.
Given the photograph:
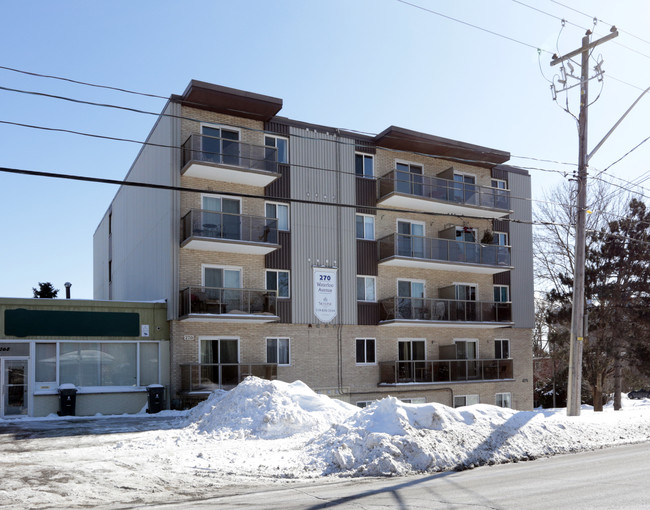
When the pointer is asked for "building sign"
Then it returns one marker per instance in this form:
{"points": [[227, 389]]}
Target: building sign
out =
{"points": [[325, 294], [11, 349]]}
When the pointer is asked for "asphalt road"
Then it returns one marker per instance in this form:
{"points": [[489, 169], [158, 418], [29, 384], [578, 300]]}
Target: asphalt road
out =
{"points": [[604, 479]]}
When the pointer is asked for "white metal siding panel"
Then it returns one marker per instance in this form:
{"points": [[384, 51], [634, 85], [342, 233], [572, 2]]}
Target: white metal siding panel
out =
{"points": [[521, 239], [322, 235], [144, 222], [100, 260]]}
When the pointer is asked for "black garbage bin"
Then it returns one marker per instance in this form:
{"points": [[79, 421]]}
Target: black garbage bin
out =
{"points": [[67, 400], [156, 394]]}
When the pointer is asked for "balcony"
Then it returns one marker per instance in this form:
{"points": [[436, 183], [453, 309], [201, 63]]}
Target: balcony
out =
{"points": [[221, 159], [434, 194], [442, 254], [445, 371], [228, 305], [448, 313], [207, 377], [226, 232]]}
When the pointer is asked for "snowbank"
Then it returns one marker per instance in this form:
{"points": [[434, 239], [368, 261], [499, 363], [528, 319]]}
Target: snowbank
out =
{"points": [[263, 409]]}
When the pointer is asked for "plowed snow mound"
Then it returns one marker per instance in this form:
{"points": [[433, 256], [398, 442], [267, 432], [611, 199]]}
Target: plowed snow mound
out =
{"points": [[261, 409]]}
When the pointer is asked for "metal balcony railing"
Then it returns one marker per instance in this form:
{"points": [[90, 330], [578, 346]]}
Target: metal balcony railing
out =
{"points": [[440, 371], [449, 310], [213, 376], [228, 226], [223, 151], [219, 301], [445, 190], [427, 248]]}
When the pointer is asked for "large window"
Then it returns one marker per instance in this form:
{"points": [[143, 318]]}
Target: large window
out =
{"points": [[277, 351], [410, 239], [220, 145], [365, 351], [280, 212], [219, 350], [365, 227], [500, 238], [466, 349], [364, 165], [88, 364], [282, 146], [504, 399], [279, 281], [465, 400], [502, 349], [366, 288]]}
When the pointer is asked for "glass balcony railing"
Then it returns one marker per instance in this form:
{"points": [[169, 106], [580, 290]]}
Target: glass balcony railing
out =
{"points": [[227, 152], [219, 301], [213, 376], [426, 248], [440, 371], [446, 310], [437, 188], [230, 227]]}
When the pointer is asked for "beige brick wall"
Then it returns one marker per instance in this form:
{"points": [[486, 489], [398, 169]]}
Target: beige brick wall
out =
{"points": [[251, 130]]}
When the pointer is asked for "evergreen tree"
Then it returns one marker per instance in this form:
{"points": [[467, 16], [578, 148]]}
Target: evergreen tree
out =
{"points": [[45, 290]]}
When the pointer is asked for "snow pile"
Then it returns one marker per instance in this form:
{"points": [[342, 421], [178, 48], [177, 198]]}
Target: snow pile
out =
{"points": [[262, 409], [393, 438]]}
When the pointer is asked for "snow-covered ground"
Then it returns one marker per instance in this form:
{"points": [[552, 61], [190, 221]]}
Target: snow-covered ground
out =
{"points": [[271, 432]]}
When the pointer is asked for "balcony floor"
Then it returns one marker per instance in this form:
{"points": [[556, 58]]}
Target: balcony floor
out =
{"points": [[404, 201], [228, 246], [226, 173], [257, 318], [444, 324], [443, 265]]}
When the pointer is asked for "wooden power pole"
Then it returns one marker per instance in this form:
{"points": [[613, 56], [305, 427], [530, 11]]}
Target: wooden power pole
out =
{"points": [[578, 307]]}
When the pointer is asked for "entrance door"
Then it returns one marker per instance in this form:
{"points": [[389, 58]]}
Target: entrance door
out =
{"points": [[13, 387]]}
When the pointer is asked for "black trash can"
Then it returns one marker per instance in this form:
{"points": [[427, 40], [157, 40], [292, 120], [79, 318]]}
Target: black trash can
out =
{"points": [[156, 394], [67, 400]]}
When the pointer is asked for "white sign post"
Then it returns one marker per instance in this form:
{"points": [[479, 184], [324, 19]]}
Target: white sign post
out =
{"points": [[325, 294]]}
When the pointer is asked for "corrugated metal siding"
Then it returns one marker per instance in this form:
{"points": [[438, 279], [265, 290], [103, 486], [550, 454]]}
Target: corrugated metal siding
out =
{"points": [[521, 239], [502, 278], [281, 187], [501, 226], [368, 314], [500, 173], [145, 222], [322, 235], [365, 146], [366, 194], [280, 259], [367, 257], [277, 128], [284, 310]]}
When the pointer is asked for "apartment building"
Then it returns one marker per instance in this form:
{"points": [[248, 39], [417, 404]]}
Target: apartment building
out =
{"points": [[365, 266]]}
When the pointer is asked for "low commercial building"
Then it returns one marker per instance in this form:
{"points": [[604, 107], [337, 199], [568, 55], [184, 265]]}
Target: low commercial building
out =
{"points": [[109, 350]]}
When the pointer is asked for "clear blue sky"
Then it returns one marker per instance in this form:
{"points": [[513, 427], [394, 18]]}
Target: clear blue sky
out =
{"points": [[355, 64]]}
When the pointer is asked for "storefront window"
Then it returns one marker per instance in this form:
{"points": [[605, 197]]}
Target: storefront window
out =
{"points": [[149, 363], [45, 363]]}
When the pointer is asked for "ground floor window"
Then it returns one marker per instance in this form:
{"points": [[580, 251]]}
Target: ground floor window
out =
{"points": [[504, 399], [277, 351], [414, 400], [465, 400], [364, 403], [365, 351], [97, 363]]}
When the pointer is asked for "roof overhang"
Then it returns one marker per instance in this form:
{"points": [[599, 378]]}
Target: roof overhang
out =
{"points": [[413, 141], [239, 103]]}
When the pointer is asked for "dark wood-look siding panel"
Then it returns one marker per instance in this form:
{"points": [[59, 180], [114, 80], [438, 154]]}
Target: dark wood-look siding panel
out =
{"points": [[284, 311], [500, 173], [367, 257], [501, 278], [367, 314], [501, 226], [366, 194], [280, 259], [365, 147], [281, 187], [277, 128]]}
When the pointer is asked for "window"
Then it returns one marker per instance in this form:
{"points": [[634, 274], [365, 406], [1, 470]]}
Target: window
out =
{"points": [[366, 351], [364, 165], [277, 351], [221, 278], [366, 288], [280, 212], [220, 145], [219, 350], [45, 363], [410, 300], [465, 400], [364, 403], [504, 399], [466, 348], [408, 178], [500, 238], [149, 363], [501, 349], [410, 239], [414, 400], [220, 288], [466, 234], [499, 184], [465, 292], [365, 227], [411, 350], [502, 293], [282, 147], [221, 217], [278, 281]]}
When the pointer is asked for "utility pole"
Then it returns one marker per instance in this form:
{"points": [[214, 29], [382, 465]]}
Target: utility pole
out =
{"points": [[578, 306]]}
